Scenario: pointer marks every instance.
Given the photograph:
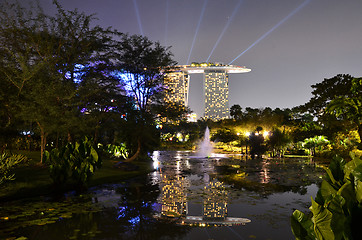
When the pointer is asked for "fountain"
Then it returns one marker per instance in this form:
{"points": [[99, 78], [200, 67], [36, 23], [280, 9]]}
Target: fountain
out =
{"points": [[205, 147]]}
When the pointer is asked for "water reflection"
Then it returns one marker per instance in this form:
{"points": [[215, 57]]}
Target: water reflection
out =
{"points": [[215, 201], [182, 190], [174, 197]]}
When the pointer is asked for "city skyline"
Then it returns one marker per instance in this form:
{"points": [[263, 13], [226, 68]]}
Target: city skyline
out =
{"points": [[289, 45]]}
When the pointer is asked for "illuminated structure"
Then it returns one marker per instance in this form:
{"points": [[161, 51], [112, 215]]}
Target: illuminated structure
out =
{"points": [[215, 201], [177, 83], [216, 86]]}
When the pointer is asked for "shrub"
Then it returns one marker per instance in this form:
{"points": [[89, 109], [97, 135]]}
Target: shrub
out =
{"points": [[7, 162], [76, 163], [337, 208]]}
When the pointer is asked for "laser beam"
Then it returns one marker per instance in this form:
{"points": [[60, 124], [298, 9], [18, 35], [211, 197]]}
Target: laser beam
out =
{"points": [[225, 27], [237, 234], [273, 28], [138, 16], [197, 29], [166, 21]]}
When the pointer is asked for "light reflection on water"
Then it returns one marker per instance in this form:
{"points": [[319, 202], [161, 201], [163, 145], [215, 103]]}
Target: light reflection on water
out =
{"points": [[268, 210], [264, 191]]}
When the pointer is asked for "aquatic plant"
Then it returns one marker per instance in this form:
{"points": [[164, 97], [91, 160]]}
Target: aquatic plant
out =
{"points": [[337, 208]]}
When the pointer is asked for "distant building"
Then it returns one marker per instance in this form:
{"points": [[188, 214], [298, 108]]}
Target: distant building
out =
{"points": [[177, 84], [216, 86]]}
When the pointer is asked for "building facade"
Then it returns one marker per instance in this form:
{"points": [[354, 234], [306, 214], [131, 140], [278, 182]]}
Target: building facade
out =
{"points": [[216, 95], [216, 86], [177, 87]]}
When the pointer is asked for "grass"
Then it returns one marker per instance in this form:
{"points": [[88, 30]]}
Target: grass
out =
{"points": [[32, 178]]}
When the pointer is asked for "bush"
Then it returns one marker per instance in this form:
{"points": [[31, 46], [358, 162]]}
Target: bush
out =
{"points": [[337, 208], [7, 162], [73, 163]]}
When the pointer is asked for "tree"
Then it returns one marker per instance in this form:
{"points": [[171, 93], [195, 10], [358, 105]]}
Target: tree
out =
{"points": [[277, 142], [325, 91], [143, 64], [236, 112], [349, 107], [48, 59]]}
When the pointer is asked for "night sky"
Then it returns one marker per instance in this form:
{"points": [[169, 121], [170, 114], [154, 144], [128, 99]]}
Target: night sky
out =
{"points": [[288, 44]]}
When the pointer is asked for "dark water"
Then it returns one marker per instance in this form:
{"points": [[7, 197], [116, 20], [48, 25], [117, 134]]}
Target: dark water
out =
{"points": [[153, 206]]}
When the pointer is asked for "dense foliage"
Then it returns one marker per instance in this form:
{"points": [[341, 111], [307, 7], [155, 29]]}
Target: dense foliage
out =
{"points": [[7, 163], [337, 208], [73, 162]]}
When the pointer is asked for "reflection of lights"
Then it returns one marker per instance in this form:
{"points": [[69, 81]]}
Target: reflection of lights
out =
{"points": [[178, 169], [156, 161], [187, 162], [264, 174]]}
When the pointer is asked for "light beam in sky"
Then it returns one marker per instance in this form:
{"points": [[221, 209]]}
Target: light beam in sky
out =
{"points": [[225, 27], [166, 21], [138, 16], [273, 28], [197, 29]]}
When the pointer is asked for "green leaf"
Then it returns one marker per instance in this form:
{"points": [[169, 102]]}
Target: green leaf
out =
{"points": [[326, 190], [351, 165], [302, 226], [357, 172], [322, 219], [358, 189]]}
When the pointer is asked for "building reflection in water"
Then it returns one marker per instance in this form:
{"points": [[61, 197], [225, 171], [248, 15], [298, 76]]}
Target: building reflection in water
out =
{"points": [[215, 201], [174, 197]]}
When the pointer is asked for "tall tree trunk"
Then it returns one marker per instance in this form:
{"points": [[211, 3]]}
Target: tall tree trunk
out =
{"points": [[43, 140], [137, 152], [69, 137]]}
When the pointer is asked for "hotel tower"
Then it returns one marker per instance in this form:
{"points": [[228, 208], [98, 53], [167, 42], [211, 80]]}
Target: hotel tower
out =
{"points": [[216, 86]]}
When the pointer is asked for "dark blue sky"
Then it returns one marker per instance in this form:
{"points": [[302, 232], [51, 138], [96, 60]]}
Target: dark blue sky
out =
{"points": [[289, 44]]}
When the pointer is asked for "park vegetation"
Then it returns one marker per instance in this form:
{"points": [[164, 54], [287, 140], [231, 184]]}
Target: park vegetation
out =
{"points": [[79, 93]]}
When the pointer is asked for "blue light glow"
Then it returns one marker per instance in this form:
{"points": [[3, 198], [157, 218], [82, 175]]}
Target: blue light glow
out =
{"points": [[77, 74], [225, 27], [138, 16], [273, 28], [134, 221], [197, 29]]}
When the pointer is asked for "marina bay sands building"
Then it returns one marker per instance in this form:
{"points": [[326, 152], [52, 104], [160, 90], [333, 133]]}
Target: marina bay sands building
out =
{"points": [[216, 86]]}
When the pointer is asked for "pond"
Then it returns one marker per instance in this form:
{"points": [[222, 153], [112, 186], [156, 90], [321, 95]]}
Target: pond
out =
{"points": [[186, 197]]}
